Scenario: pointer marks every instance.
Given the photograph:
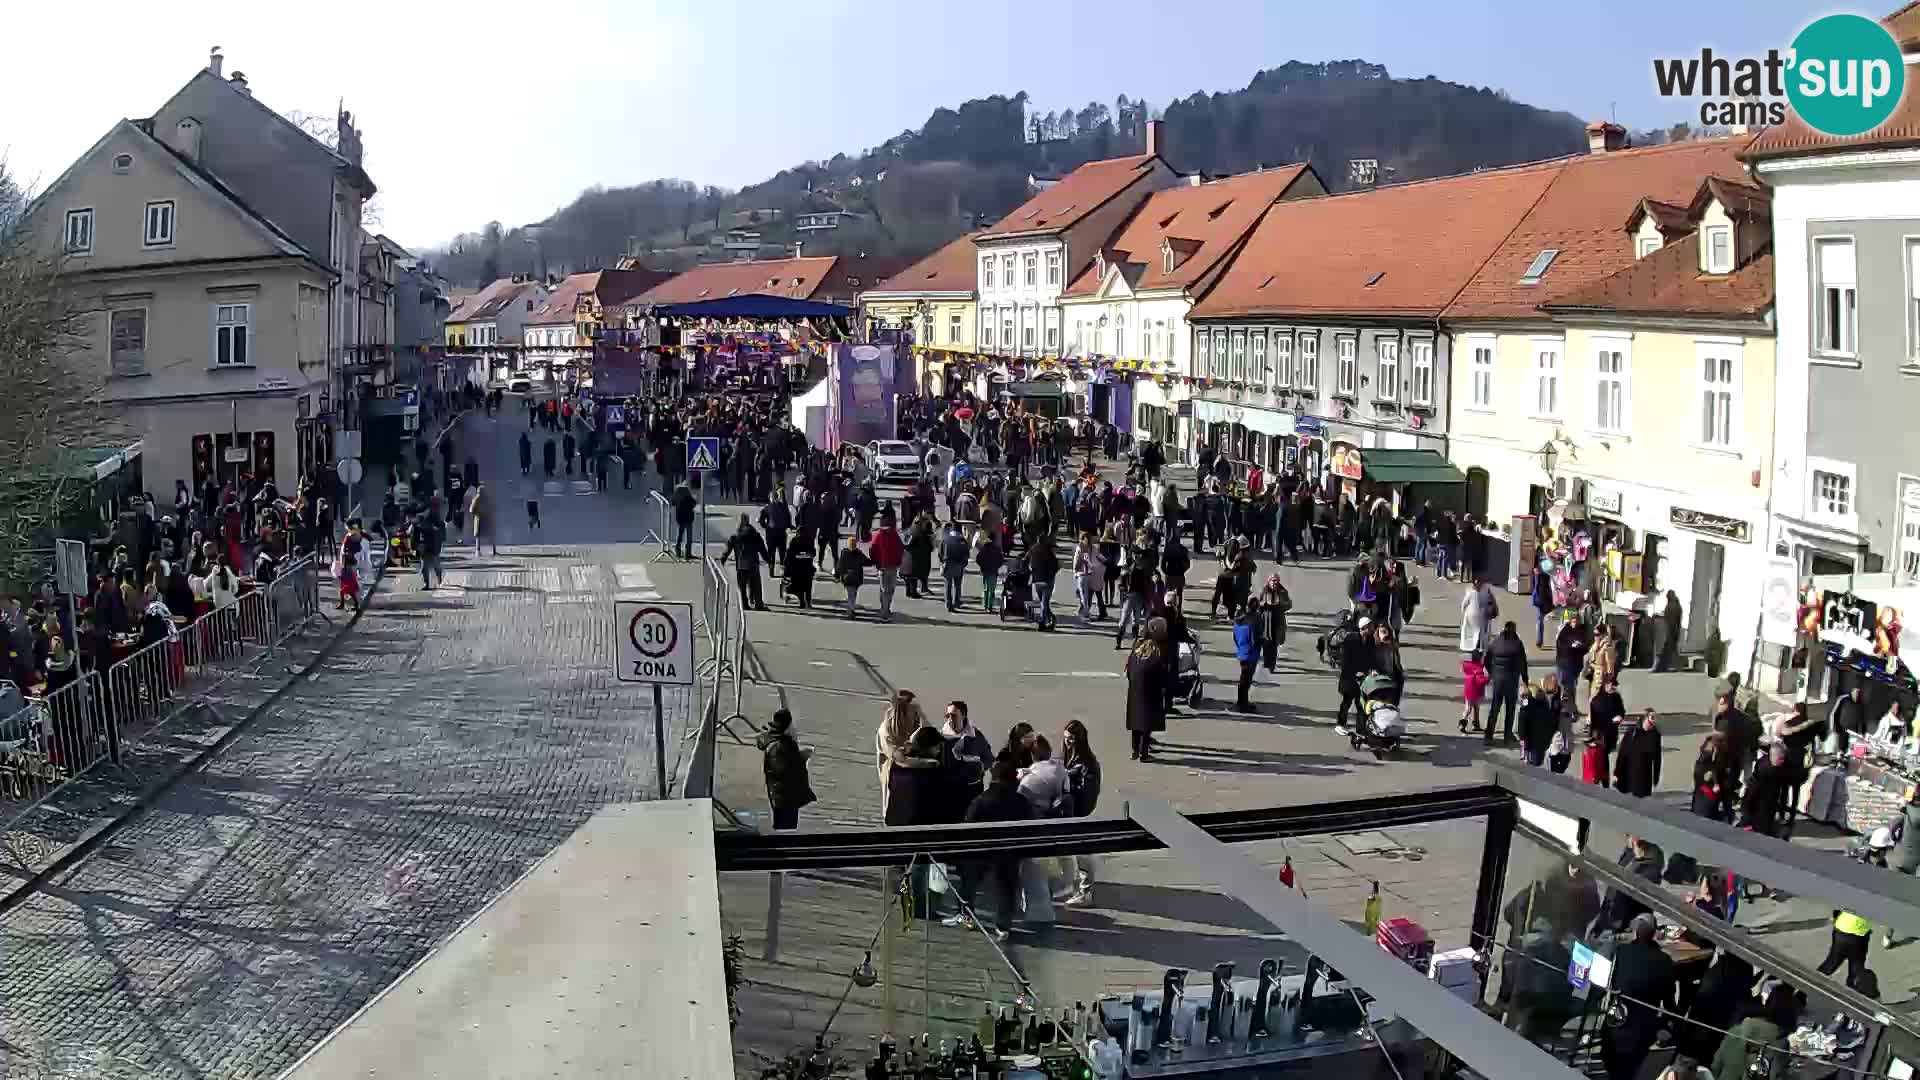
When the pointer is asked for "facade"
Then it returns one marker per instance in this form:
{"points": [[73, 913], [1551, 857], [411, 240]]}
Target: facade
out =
{"points": [[1026, 260], [486, 332], [819, 222], [1127, 310], [1322, 339], [1664, 441], [935, 299], [553, 341], [209, 318]]}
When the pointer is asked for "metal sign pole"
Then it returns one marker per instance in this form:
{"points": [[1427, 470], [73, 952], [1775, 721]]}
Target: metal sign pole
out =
{"points": [[659, 740]]}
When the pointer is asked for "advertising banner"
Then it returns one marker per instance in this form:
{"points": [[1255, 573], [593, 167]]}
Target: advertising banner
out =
{"points": [[861, 400], [620, 373]]}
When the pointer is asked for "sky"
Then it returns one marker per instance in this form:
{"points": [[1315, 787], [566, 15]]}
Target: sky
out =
{"points": [[480, 111]]}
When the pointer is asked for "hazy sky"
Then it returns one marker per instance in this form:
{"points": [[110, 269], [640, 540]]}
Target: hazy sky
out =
{"points": [[479, 111]]}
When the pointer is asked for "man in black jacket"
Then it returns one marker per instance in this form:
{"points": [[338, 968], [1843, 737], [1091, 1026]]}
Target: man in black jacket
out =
{"points": [[1848, 717], [1506, 670], [776, 518], [1174, 562], [1001, 801], [1357, 655], [1642, 976], [747, 545]]}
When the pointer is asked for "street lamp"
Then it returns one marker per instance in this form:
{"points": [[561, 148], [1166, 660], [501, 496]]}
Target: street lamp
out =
{"points": [[1549, 456]]}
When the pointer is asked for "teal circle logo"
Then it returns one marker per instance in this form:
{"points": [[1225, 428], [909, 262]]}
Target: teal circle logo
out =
{"points": [[1847, 75]]}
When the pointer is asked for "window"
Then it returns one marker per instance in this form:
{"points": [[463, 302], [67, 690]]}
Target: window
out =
{"points": [[1006, 270], [1834, 263], [127, 341], [1347, 367], [1007, 340], [1610, 388], [1053, 333], [1423, 372], [1079, 334], [953, 328], [1201, 343], [1099, 337], [1833, 492], [1648, 245], [1913, 302], [1237, 359], [1053, 268], [1387, 386], [1033, 268], [1481, 373], [159, 224], [1309, 369], [1282, 358], [1909, 566], [1027, 329], [1537, 269], [232, 326], [80, 232], [1546, 379], [986, 329], [1166, 259], [1719, 396], [986, 272], [1257, 373], [1119, 335], [1221, 363], [1720, 249]]}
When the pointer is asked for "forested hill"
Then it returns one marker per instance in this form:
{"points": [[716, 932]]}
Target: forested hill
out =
{"points": [[922, 187]]}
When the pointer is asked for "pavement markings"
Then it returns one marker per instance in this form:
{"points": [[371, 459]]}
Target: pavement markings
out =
{"points": [[1071, 675], [547, 580]]}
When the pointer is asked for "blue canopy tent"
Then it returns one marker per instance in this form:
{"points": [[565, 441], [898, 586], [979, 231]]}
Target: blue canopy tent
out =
{"points": [[754, 306]]}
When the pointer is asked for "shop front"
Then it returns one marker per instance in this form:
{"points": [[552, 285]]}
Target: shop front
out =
{"points": [[1410, 479]]}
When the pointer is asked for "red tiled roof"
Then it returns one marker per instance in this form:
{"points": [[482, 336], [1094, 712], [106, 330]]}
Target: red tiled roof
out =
{"points": [[953, 268], [619, 286], [1794, 138], [1667, 217], [1417, 244], [488, 301], [1904, 25], [1077, 194], [1669, 282], [1579, 216], [560, 302], [797, 279], [1202, 224], [855, 274]]}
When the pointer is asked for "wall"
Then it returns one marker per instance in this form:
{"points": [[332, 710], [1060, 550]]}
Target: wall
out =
{"points": [[1369, 425], [166, 433]]}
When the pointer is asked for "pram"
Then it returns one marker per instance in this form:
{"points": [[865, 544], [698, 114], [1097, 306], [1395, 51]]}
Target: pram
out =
{"points": [[1189, 682], [1016, 591], [1381, 726]]}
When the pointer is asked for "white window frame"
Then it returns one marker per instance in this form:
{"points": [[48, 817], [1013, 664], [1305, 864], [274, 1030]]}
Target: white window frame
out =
{"points": [[1606, 348], [1421, 366], [985, 332], [1119, 335], [1306, 367], [1346, 351], [1030, 268], [1714, 263], [986, 272], [1053, 268], [232, 328], [1006, 271], [1010, 340], [1549, 362], [1910, 251], [1221, 361], [954, 323], [1845, 294], [1053, 333], [1386, 370], [113, 364], [1847, 520], [158, 238], [1646, 246], [1237, 357], [1727, 379], [1906, 531], [1202, 352], [1029, 329], [1257, 358], [79, 234], [1283, 358], [1481, 350]]}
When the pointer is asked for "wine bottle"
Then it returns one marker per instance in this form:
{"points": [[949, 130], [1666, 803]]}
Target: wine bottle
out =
{"points": [[1031, 1043], [943, 1069], [983, 1028]]}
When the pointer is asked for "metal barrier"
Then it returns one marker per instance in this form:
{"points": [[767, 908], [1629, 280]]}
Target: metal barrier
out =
{"points": [[67, 734], [660, 535]]}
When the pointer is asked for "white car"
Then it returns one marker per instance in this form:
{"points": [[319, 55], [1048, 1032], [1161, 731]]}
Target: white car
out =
{"points": [[891, 459], [521, 383]]}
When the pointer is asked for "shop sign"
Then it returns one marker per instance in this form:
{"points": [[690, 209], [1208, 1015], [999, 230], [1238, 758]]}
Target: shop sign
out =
{"points": [[1307, 425], [1711, 524], [1347, 464], [1605, 500], [1184, 408], [1860, 624], [273, 382]]}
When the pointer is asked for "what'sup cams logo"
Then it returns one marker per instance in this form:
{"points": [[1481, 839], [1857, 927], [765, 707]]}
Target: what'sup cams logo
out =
{"points": [[1843, 76]]}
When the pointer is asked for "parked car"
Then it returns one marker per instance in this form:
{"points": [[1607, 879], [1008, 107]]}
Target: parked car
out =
{"points": [[890, 459], [520, 383]]}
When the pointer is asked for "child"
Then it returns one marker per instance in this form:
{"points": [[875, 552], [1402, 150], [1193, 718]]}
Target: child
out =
{"points": [[785, 765], [1473, 684]]}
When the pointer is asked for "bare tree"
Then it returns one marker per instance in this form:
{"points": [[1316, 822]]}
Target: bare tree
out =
{"points": [[52, 409]]}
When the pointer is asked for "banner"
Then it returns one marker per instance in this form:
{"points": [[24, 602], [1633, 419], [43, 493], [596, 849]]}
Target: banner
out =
{"points": [[864, 389], [620, 373]]}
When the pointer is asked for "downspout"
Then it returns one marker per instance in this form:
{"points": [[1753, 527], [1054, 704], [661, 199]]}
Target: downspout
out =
{"points": [[1446, 435]]}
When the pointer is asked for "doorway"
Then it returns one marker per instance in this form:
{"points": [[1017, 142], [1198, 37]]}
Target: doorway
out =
{"points": [[1703, 614], [1477, 481]]}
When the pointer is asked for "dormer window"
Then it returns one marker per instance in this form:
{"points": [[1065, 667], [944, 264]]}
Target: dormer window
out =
{"points": [[1100, 267], [1166, 258], [1717, 242], [1646, 246]]}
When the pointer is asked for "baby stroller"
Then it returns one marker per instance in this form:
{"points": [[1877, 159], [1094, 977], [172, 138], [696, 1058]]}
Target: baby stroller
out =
{"points": [[1381, 726], [1016, 592], [1188, 680]]}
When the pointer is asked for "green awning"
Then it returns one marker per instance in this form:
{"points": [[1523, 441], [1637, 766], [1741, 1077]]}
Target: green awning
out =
{"points": [[1410, 467]]}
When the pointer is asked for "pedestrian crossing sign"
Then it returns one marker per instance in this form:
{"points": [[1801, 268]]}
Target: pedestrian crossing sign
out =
{"points": [[703, 453]]}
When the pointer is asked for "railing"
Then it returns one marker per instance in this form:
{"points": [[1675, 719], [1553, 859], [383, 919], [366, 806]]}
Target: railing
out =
{"points": [[723, 619], [66, 735], [660, 536]]}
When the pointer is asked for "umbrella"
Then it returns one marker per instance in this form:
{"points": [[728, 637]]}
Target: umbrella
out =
{"points": [[963, 413], [1375, 683]]}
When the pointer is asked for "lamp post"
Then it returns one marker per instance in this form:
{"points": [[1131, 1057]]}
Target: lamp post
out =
{"points": [[1549, 455]]}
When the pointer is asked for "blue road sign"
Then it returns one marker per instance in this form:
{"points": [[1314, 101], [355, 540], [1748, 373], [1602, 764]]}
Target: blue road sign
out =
{"points": [[703, 453], [616, 416]]}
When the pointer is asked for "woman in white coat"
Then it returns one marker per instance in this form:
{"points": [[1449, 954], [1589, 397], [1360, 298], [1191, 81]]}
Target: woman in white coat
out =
{"points": [[1478, 609]]}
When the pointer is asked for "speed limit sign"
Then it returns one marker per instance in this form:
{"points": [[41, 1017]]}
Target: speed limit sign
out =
{"points": [[656, 642]]}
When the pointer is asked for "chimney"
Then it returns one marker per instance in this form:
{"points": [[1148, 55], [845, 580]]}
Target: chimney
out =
{"points": [[215, 62], [1604, 136], [1155, 128], [186, 139], [239, 81]]}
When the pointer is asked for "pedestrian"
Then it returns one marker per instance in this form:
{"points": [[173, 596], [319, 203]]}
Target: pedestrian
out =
{"points": [[1043, 563], [480, 516], [1666, 644], [969, 754], [1083, 774], [429, 535], [1636, 764], [1762, 1035], [1542, 595], [1506, 673], [1148, 673], [954, 554], [1001, 801], [567, 448], [747, 546], [1270, 621], [898, 721], [1089, 583], [851, 570], [1713, 778], [919, 553], [775, 520], [1644, 985], [1478, 609], [784, 763], [533, 513], [917, 792], [989, 558], [886, 552], [526, 454], [1356, 659], [1539, 722], [798, 569], [685, 506], [1473, 686], [1246, 649], [548, 455]]}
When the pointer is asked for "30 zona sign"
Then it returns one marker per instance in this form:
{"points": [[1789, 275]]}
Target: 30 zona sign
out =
{"points": [[656, 642]]}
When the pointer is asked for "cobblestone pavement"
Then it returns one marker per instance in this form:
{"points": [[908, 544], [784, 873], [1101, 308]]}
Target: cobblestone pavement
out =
{"points": [[453, 738]]}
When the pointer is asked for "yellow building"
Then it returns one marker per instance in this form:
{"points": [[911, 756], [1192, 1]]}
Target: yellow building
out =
{"points": [[936, 299], [1641, 403]]}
